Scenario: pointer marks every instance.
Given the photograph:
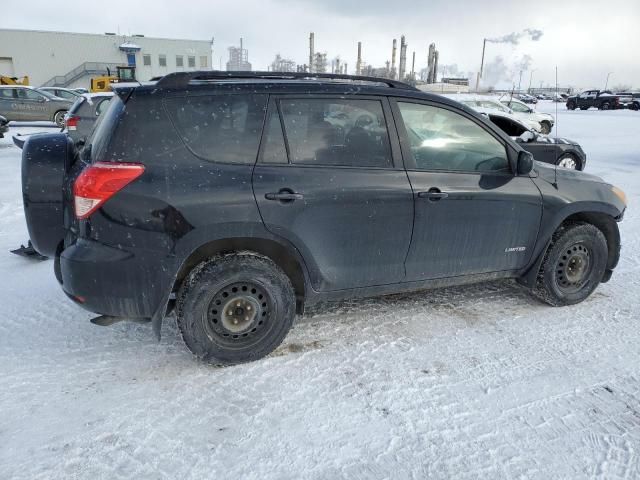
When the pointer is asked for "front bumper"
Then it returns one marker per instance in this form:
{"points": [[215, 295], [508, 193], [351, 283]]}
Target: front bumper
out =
{"points": [[111, 281]]}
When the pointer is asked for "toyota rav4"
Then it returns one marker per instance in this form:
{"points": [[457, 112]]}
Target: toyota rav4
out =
{"points": [[235, 199]]}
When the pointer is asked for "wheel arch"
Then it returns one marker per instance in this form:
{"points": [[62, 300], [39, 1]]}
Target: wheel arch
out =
{"points": [[605, 222], [285, 257]]}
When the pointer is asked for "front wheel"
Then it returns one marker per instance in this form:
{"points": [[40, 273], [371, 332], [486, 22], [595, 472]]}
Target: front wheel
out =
{"points": [[573, 266], [235, 309], [58, 118], [571, 106], [569, 160], [605, 106]]}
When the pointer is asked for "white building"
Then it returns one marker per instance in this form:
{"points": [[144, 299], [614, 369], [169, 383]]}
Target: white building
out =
{"points": [[70, 59]]}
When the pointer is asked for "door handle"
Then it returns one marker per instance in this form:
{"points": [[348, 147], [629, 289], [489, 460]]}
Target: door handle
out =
{"points": [[284, 195], [433, 194]]}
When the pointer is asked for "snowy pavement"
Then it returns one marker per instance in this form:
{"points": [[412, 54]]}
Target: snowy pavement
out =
{"points": [[475, 382]]}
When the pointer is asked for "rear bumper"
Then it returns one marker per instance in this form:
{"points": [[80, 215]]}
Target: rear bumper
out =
{"points": [[111, 281]]}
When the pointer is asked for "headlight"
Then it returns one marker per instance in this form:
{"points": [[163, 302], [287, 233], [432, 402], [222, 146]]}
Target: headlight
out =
{"points": [[620, 194]]}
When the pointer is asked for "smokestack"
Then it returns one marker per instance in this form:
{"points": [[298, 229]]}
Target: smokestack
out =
{"points": [[413, 66], [435, 67], [311, 38], [484, 45], [359, 61], [403, 58], [345, 68], [393, 59]]}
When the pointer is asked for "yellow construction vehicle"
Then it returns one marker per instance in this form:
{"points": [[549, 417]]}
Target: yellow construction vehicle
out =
{"points": [[4, 80], [103, 83]]}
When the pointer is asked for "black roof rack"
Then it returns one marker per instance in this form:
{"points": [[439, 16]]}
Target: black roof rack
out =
{"points": [[183, 79]]}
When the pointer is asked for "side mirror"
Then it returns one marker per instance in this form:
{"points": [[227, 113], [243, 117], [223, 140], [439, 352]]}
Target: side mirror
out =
{"points": [[42, 99], [525, 163]]}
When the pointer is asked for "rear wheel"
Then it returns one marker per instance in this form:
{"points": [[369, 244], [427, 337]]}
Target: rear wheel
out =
{"points": [[235, 309], [573, 266], [635, 106], [569, 160], [571, 106], [58, 118]]}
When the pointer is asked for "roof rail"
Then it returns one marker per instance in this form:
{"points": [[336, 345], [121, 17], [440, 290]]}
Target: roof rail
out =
{"points": [[183, 79]]}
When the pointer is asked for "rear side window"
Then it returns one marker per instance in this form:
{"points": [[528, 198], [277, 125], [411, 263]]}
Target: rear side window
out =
{"points": [[105, 127], [220, 128], [337, 132]]}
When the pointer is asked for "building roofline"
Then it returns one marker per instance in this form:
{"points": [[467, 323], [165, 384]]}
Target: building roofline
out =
{"points": [[102, 35]]}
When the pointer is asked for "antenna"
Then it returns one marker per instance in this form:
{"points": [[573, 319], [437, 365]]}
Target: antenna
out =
{"points": [[555, 170]]}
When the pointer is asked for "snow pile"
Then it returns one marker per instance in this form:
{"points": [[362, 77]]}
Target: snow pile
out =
{"points": [[474, 382]]}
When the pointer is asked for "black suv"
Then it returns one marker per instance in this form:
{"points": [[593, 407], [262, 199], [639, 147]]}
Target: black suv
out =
{"points": [[236, 199]]}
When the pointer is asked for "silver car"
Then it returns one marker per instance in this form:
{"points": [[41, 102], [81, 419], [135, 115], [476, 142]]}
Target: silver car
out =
{"points": [[26, 104]]}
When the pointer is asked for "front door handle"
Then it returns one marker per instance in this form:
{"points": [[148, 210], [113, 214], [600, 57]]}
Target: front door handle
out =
{"points": [[433, 194], [284, 195]]}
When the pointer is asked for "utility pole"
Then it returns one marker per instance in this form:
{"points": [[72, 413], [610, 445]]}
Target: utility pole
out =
{"points": [[530, 79], [607, 82]]}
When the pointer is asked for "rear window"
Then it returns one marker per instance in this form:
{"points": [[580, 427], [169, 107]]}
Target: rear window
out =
{"points": [[104, 128], [220, 128]]}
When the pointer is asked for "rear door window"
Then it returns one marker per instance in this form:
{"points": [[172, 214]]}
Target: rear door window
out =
{"points": [[338, 132], [220, 128]]}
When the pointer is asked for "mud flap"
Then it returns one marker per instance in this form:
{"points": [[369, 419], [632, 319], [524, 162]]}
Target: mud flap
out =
{"points": [[28, 252]]}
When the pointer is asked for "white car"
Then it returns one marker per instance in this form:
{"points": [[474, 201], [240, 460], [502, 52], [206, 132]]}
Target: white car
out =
{"points": [[522, 111], [484, 103]]}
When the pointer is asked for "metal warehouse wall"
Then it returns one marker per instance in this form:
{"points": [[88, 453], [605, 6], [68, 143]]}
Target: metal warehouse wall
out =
{"points": [[43, 55]]}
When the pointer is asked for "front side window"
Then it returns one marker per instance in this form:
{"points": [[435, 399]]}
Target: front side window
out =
{"points": [[518, 107], [337, 132], [28, 94], [440, 139], [220, 128]]}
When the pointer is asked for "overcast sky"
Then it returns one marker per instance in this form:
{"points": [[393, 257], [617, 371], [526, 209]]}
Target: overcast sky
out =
{"points": [[585, 39]]}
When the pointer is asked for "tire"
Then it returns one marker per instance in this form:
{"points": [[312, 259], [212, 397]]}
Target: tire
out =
{"points": [[605, 106], [58, 118], [235, 309], [635, 106], [573, 266], [570, 161], [571, 106], [546, 128]]}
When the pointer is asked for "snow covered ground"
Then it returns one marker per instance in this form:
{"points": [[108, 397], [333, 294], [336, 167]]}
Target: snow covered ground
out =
{"points": [[475, 382]]}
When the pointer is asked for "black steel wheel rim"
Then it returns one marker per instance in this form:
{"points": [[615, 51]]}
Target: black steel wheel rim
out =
{"points": [[574, 268], [239, 314]]}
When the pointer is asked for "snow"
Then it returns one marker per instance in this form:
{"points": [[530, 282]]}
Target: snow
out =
{"points": [[472, 382]]}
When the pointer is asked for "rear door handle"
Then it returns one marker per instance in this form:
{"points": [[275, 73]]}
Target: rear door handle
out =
{"points": [[284, 196], [433, 194]]}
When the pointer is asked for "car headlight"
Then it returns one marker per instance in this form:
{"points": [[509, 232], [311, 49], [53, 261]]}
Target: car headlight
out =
{"points": [[620, 194]]}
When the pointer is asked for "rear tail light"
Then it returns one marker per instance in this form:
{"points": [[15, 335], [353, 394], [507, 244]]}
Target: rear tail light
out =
{"points": [[71, 122], [99, 182]]}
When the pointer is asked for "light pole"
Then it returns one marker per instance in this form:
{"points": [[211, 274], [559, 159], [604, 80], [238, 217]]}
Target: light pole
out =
{"points": [[530, 79], [607, 82]]}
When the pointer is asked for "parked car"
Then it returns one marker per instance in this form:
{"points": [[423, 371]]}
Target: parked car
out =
{"points": [[82, 115], [526, 98], [522, 111], [630, 100], [229, 198], [557, 151], [4, 126], [483, 103], [19, 103], [601, 99], [59, 92]]}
